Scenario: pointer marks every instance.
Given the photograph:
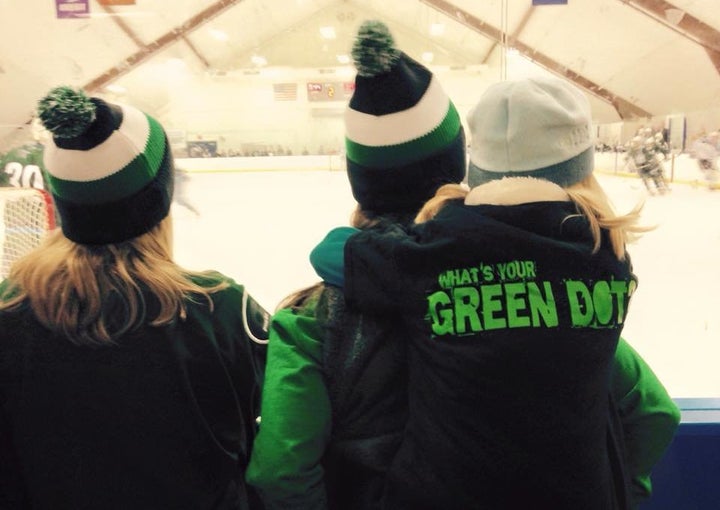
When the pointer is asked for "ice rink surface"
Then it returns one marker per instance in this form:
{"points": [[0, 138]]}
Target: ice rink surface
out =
{"points": [[259, 227]]}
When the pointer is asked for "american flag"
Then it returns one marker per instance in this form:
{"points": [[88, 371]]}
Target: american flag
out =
{"points": [[285, 91]]}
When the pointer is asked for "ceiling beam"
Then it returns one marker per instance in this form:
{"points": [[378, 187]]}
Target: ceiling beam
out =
{"points": [[146, 51], [122, 25], [515, 35], [138, 41], [683, 23], [196, 52], [624, 108]]}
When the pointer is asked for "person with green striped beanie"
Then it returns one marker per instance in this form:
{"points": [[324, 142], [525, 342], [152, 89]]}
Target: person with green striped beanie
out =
{"points": [[126, 381], [403, 135], [109, 167], [334, 403]]}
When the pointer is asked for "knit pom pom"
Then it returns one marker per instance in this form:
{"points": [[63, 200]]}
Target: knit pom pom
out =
{"points": [[374, 51], [66, 112]]}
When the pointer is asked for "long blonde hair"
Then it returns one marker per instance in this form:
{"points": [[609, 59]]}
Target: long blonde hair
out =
{"points": [[94, 294], [590, 200]]}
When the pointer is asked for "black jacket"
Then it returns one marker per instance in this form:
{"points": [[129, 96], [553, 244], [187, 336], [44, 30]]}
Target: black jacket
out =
{"points": [[365, 367], [511, 324], [164, 419]]}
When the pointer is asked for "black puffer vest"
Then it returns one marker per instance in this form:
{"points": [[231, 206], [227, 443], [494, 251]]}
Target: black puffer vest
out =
{"points": [[366, 373], [511, 324]]}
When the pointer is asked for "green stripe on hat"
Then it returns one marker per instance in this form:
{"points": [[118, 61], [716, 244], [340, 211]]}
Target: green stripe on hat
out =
{"points": [[408, 152], [121, 184]]}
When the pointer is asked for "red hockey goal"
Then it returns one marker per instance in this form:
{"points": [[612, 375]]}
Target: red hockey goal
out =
{"points": [[27, 216]]}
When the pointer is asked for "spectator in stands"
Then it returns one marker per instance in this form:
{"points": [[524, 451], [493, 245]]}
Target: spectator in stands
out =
{"points": [[334, 403], [126, 381], [498, 394]]}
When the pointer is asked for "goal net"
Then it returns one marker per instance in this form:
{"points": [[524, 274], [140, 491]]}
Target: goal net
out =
{"points": [[27, 217]]}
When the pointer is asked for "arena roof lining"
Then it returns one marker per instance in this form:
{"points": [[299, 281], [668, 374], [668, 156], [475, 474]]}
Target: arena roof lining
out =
{"points": [[636, 58]]}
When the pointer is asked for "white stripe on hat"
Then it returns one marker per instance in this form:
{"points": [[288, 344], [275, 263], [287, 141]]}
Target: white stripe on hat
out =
{"points": [[402, 126], [121, 147]]}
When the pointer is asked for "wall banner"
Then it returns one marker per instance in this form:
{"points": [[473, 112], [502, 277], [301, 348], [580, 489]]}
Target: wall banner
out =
{"points": [[72, 8], [329, 91]]}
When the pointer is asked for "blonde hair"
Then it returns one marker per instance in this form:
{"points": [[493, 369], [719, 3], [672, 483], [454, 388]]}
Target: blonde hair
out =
{"points": [[93, 294], [443, 195], [589, 198], [594, 204]]}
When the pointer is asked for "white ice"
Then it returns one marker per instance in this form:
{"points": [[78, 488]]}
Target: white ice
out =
{"points": [[259, 227]]}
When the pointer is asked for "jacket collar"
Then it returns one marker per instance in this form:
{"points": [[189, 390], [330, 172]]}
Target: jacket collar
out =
{"points": [[516, 190]]}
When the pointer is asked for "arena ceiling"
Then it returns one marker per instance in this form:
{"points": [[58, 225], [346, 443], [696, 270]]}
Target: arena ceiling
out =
{"points": [[635, 58]]}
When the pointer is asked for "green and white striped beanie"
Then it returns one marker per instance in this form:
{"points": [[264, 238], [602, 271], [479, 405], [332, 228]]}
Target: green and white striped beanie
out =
{"points": [[109, 167], [403, 135]]}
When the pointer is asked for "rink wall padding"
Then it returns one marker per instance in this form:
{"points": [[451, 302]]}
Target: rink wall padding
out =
{"points": [[680, 169], [688, 476], [262, 164]]}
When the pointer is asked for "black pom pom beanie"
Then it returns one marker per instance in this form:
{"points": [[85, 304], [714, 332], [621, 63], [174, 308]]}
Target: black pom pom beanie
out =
{"points": [[403, 135], [110, 169]]}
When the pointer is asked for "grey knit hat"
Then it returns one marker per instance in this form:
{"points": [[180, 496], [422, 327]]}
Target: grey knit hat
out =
{"points": [[537, 127]]}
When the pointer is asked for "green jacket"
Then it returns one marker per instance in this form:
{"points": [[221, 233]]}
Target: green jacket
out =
{"points": [[295, 421], [648, 415]]}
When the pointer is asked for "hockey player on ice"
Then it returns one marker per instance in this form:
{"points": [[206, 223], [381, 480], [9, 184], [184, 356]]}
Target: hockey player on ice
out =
{"points": [[180, 193], [643, 157]]}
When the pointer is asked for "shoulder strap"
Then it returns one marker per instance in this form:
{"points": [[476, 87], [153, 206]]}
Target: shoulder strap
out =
{"points": [[256, 319]]}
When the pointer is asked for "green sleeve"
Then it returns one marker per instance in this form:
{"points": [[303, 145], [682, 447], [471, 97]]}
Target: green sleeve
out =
{"points": [[328, 257], [649, 417], [295, 419]]}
